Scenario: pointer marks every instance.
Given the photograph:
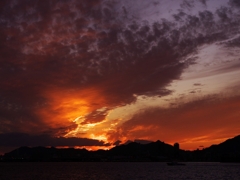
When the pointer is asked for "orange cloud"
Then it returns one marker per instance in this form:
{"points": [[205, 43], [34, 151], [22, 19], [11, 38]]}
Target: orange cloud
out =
{"points": [[66, 107], [194, 124], [63, 61]]}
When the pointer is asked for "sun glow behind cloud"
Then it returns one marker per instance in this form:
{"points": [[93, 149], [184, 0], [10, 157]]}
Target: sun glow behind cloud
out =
{"points": [[75, 106], [117, 70]]}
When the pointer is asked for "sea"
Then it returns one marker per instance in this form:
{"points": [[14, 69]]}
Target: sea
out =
{"points": [[118, 171]]}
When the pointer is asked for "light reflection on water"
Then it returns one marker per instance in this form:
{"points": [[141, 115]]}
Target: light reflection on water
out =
{"points": [[118, 170]]}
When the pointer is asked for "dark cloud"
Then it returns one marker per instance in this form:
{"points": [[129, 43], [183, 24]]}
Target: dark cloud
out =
{"points": [[186, 4], [197, 84], [192, 92], [22, 139], [46, 45], [95, 117], [204, 2], [234, 3], [50, 49], [234, 42]]}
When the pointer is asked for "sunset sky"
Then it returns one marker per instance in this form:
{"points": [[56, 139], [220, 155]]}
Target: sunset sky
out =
{"points": [[92, 73]]}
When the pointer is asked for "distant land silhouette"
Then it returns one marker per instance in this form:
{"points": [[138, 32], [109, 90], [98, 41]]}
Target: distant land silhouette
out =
{"points": [[227, 151]]}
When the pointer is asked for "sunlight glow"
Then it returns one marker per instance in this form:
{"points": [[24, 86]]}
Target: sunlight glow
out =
{"points": [[99, 137]]}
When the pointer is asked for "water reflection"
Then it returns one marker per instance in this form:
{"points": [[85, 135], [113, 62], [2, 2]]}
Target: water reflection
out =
{"points": [[118, 170]]}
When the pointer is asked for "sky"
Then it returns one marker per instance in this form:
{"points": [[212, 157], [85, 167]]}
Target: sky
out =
{"points": [[99, 73]]}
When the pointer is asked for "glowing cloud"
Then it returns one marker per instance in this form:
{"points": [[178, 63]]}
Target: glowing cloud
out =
{"points": [[118, 70]]}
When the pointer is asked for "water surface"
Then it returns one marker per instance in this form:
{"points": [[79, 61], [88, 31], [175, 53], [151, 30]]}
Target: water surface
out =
{"points": [[118, 170]]}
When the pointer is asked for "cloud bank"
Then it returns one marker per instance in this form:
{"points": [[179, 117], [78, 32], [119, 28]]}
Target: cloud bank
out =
{"points": [[65, 65]]}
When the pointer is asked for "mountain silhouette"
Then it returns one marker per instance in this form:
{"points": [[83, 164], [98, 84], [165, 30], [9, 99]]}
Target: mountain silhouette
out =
{"points": [[227, 151]]}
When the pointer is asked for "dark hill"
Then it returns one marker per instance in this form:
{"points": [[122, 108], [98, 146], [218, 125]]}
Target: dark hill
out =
{"points": [[229, 146], [154, 151], [228, 151], [46, 154]]}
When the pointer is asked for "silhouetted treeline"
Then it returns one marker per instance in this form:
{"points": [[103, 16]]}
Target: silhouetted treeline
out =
{"points": [[228, 151]]}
